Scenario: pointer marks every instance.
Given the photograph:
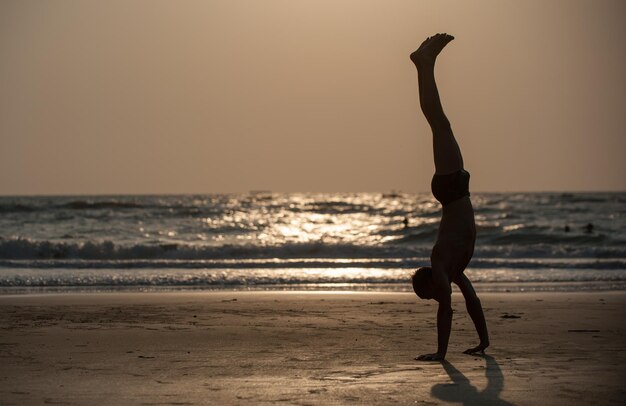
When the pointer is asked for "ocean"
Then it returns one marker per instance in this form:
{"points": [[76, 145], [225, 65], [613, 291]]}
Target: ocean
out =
{"points": [[277, 241]]}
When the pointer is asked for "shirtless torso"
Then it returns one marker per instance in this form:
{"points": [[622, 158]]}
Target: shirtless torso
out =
{"points": [[455, 238]]}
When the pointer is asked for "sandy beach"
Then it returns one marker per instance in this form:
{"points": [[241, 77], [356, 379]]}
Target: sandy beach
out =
{"points": [[305, 348]]}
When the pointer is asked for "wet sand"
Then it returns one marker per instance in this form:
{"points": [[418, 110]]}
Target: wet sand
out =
{"points": [[187, 348]]}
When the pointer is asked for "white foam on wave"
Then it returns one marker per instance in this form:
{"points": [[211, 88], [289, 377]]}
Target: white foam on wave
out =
{"points": [[251, 278]]}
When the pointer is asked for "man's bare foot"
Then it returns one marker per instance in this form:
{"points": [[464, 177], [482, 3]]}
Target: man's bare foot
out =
{"points": [[430, 48], [480, 348], [430, 357]]}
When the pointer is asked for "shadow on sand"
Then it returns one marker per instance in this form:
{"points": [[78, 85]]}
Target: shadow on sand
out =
{"points": [[462, 391]]}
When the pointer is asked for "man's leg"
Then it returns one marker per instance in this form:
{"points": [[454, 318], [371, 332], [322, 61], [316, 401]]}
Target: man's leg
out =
{"points": [[446, 151]]}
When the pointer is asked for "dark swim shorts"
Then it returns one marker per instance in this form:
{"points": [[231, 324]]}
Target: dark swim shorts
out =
{"points": [[450, 187]]}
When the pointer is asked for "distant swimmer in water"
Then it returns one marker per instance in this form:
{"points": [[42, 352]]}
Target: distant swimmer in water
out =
{"points": [[457, 231]]}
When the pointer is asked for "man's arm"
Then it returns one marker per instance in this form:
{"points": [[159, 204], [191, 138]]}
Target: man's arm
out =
{"points": [[444, 324], [475, 310], [442, 293]]}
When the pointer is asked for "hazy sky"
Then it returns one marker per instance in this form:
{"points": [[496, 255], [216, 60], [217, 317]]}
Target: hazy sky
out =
{"points": [[148, 96]]}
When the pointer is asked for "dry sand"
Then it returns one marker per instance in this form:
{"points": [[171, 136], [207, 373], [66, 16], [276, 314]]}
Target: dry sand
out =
{"points": [[307, 348]]}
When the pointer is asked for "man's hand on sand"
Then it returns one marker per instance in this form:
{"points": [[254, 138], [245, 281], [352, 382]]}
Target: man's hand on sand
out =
{"points": [[430, 357], [480, 348]]}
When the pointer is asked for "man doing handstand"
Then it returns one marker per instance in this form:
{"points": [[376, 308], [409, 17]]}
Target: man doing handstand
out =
{"points": [[457, 231]]}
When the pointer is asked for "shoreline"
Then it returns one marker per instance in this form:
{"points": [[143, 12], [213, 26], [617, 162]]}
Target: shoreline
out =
{"points": [[480, 287], [310, 347]]}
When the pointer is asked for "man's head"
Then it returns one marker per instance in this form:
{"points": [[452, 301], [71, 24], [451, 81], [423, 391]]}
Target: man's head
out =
{"points": [[422, 282]]}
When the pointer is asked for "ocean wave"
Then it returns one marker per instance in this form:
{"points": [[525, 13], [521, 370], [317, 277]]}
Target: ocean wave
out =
{"points": [[337, 207], [313, 263], [424, 235], [588, 198], [71, 205], [100, 204], [16, 208], [529, 237], [217, 278], [29, 249], [22, 248]]}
